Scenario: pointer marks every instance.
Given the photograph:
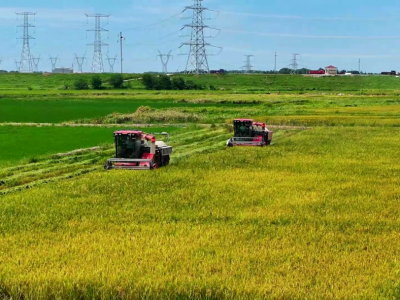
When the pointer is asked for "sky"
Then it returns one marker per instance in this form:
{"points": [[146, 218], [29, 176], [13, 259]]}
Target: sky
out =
{"points": [[336, 32]]}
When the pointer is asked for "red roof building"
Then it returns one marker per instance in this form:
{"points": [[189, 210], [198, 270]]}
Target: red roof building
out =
{"points": [[331, 70]]}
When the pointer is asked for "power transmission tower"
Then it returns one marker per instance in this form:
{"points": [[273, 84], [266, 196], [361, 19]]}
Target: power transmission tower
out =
{"points": [[80, 61], [165, 62], [197, 55], [26, 62], [248, 65], [18, 65], [53, 62], [97, 64], [111, 62], [35, 62], [294, 64], [359, 65], [275, 62]]}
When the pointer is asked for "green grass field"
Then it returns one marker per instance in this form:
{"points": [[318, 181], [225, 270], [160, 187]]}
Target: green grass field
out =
{"points": [[314, 216], [232, 82], [24, 143]]}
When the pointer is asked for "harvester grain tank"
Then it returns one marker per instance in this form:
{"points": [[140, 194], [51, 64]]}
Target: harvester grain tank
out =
{"points": [[135, 150], [250, 133]]}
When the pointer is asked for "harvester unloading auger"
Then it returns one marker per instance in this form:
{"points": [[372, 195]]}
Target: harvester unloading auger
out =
{"points": [[135, 150], [250, 133]]}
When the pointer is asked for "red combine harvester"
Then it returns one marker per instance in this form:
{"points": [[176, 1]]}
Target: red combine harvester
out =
{"points": [[250, 133], [135, 150]]}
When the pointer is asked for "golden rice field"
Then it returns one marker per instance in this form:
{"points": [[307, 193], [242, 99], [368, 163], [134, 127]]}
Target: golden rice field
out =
{"points": [[314, 216]]}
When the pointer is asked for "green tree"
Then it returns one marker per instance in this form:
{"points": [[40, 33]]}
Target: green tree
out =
{"points": [[285, 71], [96, 82], [148, 81], [117, 81], [81, 84], [178, 83], [165, 82], [191, 85]]}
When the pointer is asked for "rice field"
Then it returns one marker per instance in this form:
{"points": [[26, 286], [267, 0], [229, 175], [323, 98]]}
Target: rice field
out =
{"points": [[315, 216]]}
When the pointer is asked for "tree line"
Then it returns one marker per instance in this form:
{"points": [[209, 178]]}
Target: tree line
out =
{"points": [[164, 82], [116, 81]]}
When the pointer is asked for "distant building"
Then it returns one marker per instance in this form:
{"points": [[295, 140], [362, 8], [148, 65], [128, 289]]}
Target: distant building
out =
{"points": [[331, 70], [63, 70]]}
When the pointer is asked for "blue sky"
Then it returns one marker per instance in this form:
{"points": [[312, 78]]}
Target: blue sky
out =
{"points": [[334, 32]]}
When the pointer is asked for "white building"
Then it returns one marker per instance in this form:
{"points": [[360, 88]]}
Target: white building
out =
{"points": [[63, 70], [331, 70]]}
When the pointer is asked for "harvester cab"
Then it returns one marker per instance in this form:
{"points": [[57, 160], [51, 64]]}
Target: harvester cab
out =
{"points": [[250, 133], [135, 150]]}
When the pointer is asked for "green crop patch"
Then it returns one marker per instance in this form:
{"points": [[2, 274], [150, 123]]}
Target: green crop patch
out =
{"points": [[17, 143]]}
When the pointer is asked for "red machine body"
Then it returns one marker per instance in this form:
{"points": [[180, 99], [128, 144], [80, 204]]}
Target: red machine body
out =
{"points": [[319, 72], [135, 150]]}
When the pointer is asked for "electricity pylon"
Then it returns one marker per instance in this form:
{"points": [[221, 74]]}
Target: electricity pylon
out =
{"points": [[35, 62], [165, 62], [80, 61], [294, 65], [53, 61], [111, 62], [97, 64], [248, 65], [26, 62], [197, 59]]}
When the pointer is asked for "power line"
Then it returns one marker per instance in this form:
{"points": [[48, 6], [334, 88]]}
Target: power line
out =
{"points": [[97, 64], [150, 42], [151, 25], [197, 58], [248, 65], [165, 61], [26, 62], [111, 62]]}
